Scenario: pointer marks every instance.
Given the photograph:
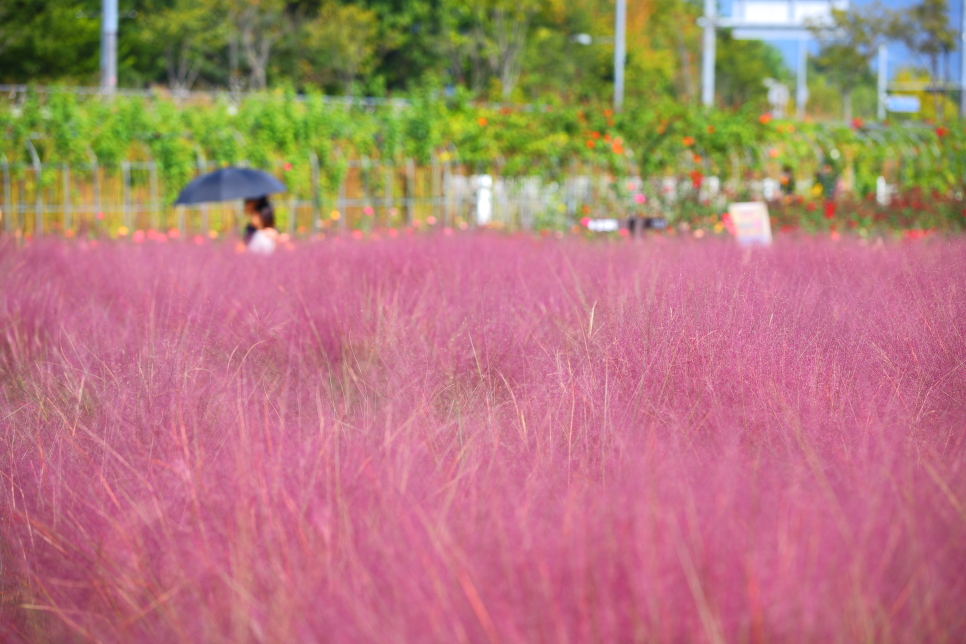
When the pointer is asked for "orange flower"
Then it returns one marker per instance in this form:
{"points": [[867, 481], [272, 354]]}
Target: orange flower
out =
{"points": [[608, 113], [607, 137], [688, 141], [710, 129], [696, 158], [481, 121], [595, 135], [590, 144], [618, 148], [765, 118]]}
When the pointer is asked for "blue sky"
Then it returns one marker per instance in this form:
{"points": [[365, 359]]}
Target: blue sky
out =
{"points": [[898, 55]]}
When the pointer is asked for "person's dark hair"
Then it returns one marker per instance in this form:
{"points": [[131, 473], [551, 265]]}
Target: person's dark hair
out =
{"points": [[265, 210]]}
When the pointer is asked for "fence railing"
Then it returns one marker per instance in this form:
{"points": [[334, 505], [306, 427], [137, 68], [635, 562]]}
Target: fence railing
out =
{"points": [[70, 199], [90, 198]]}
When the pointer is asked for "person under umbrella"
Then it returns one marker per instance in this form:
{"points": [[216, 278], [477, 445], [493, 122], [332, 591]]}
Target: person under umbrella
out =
{"points": [[249, 184], [261, 236]]}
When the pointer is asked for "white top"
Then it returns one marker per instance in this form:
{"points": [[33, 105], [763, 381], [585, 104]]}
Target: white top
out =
{"points": [[262, 242]]}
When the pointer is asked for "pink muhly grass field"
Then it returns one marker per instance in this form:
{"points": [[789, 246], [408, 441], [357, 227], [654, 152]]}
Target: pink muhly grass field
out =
{"points": [[483, 439]]}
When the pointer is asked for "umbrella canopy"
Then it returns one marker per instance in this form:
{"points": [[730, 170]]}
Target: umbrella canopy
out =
{"points": [[229, 184]]}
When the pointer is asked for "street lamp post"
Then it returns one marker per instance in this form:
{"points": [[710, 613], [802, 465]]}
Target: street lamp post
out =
{"points": [[620, 25], [707, 61], [108, 46], [962, 61]]}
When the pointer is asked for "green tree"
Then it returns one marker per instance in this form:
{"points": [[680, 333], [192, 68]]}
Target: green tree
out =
{"points": [[258, 26], [926, 30], [188, 33], [340, 45], [741, 67], [49, 41], [848, 44]]}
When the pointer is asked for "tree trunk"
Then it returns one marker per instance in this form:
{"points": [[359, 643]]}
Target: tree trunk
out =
{"points": [[687, 73], [510, 35]]}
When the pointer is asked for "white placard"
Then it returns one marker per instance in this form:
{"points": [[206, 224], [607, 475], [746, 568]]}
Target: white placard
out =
{"points": [[603, 225], [750, 221]]}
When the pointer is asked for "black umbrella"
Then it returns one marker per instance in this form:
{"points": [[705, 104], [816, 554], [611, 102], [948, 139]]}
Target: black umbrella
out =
{"points": [[229, 184]]}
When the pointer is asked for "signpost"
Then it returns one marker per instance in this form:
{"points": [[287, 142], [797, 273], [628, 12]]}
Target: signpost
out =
{"points": [[751, 224]]}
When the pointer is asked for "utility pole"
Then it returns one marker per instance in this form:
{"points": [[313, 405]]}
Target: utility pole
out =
{"points": [[962, 60], [707, 62], [620, 27], [108, 46], [883, 80], [801, 82]]}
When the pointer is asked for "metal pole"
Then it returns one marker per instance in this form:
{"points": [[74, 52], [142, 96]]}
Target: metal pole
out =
{"points": [[801, 83], [38, 190], [7, 202], [962, 61], [109, 46], [620, 28], [316, 192], [126, 194], [707, 63], [155, 198], [68, 223], [883, 80]]}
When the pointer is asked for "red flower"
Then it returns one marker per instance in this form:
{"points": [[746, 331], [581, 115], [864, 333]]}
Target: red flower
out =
{"points": [[941, 131], [829, 209], [696, 178], [765, 118]]}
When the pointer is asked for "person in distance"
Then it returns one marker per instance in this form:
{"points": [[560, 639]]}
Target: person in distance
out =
{"points": [[260, 234]]}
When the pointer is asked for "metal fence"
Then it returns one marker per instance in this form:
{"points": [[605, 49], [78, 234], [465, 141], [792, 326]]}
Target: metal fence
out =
{"points": [[78, 199]]}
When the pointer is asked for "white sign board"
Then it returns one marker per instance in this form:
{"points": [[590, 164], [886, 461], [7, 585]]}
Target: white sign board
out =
{"points": [[750, 222], [603, 225], [902, 103], [484, 199], [791, 13]]}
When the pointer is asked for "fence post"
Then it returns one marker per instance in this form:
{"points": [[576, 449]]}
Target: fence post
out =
{"points": [[365, 168], [68, 223], [435, 188], [96, 183], [410, 190], [316, 192], [202, 169], [155, 197], [7, 207], [126, 194], [38, 189], [340, 206]]}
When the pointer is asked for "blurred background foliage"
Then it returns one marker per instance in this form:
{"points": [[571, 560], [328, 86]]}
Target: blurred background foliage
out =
{"points": [[511, 51], [662, 138]]}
